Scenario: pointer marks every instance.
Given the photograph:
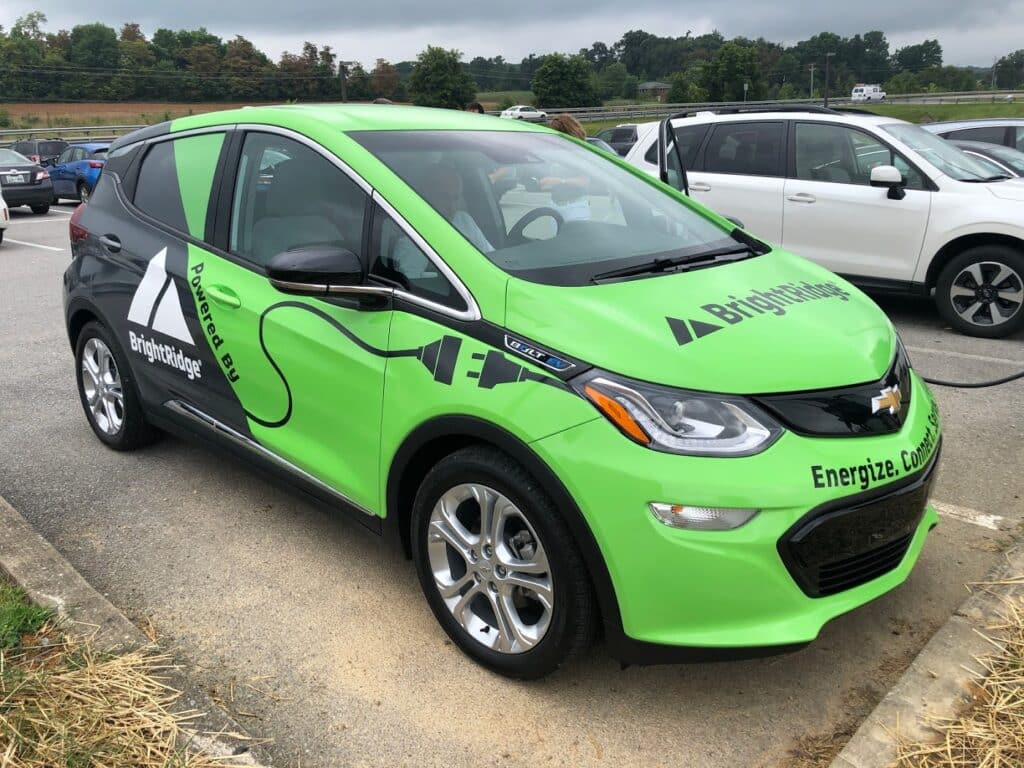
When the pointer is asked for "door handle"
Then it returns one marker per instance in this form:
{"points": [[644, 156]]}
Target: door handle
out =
{"points": [[700, 186], [111, 242], [801, 197], [224, 296]]}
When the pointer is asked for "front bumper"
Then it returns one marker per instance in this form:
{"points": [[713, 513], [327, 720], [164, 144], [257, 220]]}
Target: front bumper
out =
{"points": [[29, 194], [698, 594]]}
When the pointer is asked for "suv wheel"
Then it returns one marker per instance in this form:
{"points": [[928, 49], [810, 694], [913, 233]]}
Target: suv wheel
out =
{"points": [[40, 209], [981, 291], [83, 192], [498, 566], [106, 388]]}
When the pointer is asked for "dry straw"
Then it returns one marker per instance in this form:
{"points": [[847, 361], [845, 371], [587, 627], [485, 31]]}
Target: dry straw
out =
{"points": [[989, 733], [64, 704]]}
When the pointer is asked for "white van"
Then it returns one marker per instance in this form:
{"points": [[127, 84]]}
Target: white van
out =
{"points": [[863, 92]]}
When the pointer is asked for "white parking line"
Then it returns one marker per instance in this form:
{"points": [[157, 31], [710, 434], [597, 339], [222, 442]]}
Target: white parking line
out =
{"points": [[967, 515], [964, 355], [41, 220], [34, 245]]}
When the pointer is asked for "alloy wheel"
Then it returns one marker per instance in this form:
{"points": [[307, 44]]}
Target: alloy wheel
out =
{"points": [[101, 383], [987, 293], [490, 568]]}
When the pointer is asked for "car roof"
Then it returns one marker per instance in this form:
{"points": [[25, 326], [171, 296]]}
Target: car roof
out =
{"points": [[356, 117], [953, 125]]}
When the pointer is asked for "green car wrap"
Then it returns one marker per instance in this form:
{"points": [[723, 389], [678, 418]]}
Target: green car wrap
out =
{"points": [[350, 396]]}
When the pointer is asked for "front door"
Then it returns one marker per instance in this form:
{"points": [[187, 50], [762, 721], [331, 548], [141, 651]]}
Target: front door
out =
{"points": [[835, 217], [307, 372]]}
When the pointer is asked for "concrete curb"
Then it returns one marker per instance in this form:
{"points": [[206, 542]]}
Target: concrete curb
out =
{"points": [[937, 682], [51, 581]]}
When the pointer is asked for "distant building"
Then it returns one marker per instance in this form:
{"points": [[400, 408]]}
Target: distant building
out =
{"points": [[654, 90]]}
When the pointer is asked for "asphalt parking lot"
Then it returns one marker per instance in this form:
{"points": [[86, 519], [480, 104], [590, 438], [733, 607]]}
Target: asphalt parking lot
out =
{"points": [[318, 640]]}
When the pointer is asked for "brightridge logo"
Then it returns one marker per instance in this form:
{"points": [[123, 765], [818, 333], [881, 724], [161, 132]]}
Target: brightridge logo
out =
{"points": [[156, 306]]}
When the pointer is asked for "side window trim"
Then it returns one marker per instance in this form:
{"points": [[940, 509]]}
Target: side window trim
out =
{"points": [[472, 311]]}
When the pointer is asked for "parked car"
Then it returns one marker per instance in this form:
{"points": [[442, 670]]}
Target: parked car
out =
{"points": [[863, 92], [884, 203], [557, 423], [1002, 159], [621, 137], [41, 151], [5, 216], [24, 182], [1006, 131], [601, 144], [76, 171], [525, 112]]}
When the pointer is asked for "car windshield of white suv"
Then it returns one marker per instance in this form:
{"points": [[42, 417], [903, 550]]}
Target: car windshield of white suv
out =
{"points": [[946, 157], [545, 209]]}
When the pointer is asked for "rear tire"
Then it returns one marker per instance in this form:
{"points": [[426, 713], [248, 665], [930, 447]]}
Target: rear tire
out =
{"points": [[981, 291], [40, 209], [83, 192], [106, 388], [483, 530]]}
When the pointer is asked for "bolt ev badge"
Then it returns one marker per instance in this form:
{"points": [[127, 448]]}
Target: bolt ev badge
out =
{"points": [[889, 399], [156, 304]]}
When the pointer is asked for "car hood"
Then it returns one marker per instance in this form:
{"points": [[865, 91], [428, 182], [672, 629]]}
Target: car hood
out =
{"points": [[1011, 189], [773, 323]]}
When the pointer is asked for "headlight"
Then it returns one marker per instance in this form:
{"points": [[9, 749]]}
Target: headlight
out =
{"points": [[679, 421]]}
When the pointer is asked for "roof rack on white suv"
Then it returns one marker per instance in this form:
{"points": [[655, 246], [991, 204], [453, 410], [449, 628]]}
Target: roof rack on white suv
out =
{"points": [[880, 201]]}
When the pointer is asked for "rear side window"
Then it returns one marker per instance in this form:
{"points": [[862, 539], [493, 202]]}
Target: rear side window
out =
{"points": [[994, 134], [175, 181], [750, 149], [690, 138], [51, 147], [289, 196]]}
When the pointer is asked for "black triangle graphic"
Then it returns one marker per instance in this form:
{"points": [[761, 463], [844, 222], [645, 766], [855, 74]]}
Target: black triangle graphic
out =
{"points": [[680, 331], [700, 330]]}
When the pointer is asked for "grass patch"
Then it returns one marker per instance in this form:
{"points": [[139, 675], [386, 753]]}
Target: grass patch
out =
{"points": [[933, 113], [64, 704], [990, 732], [17, 616]]}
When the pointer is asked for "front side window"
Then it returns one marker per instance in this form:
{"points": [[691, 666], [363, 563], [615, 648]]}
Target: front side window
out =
{"points": [[844, 155], [289, 196], [65, 157], [541, 207], [750, 149], [395, 258], [992, 134]]}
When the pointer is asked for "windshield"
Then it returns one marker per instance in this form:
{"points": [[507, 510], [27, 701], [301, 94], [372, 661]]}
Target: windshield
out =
{"points": [[10, 157], [540, 206], [946, 157]]}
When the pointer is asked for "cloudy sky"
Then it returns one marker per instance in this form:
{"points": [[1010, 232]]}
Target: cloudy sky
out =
{"points": [[970, 33]]}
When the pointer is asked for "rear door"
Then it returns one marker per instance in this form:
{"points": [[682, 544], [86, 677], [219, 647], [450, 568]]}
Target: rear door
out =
{"points": [[59, 173], [835, 217], [739, 173]]}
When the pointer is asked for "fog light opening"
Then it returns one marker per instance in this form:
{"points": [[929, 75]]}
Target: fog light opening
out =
{"points": [[701, 518]]}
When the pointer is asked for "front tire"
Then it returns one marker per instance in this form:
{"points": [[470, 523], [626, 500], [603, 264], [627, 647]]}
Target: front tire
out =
{"points": [[981, 292], [106, 388], [40, 209], [498, 566]]}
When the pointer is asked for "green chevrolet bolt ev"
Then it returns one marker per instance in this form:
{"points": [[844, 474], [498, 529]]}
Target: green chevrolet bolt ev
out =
{"points": [[579, 401]]}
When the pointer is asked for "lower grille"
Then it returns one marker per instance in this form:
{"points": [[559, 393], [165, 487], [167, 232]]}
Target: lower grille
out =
{"points": [[851, 541]]}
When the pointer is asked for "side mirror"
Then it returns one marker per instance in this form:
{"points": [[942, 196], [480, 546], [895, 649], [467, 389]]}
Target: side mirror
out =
{"points": [[315, 270], [889, 176]]}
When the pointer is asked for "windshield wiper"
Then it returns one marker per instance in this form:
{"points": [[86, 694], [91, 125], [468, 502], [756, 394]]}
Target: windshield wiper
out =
{"points": [[997, 177], [665, 264]]}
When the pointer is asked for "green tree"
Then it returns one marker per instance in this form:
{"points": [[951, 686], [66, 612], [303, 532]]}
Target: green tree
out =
{"points": [[904, 82], [611, 80], [1010, 70], [914, 58], [440, 80], [384, 79], [564, 81], [631, 87], [734, 64]]}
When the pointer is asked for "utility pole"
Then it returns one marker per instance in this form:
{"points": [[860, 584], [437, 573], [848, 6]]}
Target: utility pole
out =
{"points": [[812, 68], [827, 57], [994, 62]]}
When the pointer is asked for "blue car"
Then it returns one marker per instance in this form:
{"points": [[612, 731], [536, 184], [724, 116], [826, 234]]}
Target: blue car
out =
{"points": [[77, 170]]}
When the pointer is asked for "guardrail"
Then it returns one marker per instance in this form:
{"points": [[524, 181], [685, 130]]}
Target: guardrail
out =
{"points": [[94, 132], [631, 112]]}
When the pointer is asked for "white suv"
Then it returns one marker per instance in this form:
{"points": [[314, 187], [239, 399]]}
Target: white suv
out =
{"points": [[880, 201]]}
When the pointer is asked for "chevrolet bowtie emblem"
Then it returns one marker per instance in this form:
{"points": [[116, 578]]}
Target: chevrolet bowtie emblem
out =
{"points": [[889, 399]]}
